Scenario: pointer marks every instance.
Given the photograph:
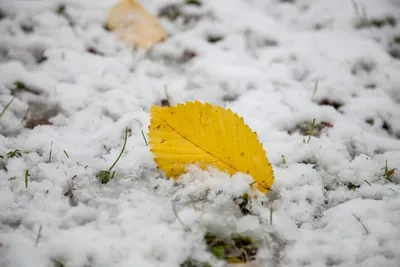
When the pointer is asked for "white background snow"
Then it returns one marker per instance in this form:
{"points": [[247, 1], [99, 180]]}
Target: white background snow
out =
{"points": [[331, 202]]}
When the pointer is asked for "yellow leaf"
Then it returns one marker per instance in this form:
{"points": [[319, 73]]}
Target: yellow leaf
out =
{"points": [[133, 24], [207, 135]]}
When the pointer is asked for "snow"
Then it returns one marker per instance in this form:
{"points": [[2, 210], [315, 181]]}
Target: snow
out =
{"points": [[331, 203]]}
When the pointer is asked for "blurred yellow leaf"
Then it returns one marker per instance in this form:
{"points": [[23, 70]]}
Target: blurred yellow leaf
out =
{"points": [[133, 24], [207, 135]]}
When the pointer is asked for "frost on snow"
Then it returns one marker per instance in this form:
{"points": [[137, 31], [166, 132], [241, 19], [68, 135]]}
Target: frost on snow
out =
{"points": [[73, 89]]}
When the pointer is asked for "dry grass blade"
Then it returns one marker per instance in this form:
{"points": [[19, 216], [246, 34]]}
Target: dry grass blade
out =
{"points": [[6, 107]]}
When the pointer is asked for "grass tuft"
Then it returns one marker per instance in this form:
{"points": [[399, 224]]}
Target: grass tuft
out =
{"points": [[15, 153], [304, 128], [19, 85], [194, 263], [388, 173], [61, 9], [236, 249], [193, 2], [364, 22], [105, 176], [283, 159], [70, 192], [57, 263], [312, 131]]}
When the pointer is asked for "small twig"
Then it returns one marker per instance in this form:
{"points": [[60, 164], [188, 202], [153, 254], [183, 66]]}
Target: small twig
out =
{"points": [[39, 235], [368, 182], [66, 154], [312, 131], [6, 107], [359, 220], [145, 140]]}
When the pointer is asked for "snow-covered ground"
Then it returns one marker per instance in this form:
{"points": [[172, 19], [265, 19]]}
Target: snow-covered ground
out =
{"points": [[279, 64]]}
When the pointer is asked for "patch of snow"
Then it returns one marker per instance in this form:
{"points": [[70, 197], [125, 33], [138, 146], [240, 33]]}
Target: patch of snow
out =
{"points": [[278, 64]]}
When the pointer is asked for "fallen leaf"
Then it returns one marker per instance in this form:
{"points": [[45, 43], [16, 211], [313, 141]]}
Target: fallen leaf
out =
{"points": [[390, 172], [327, 124], [207, 135], [133, 24], [33, 123]]}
